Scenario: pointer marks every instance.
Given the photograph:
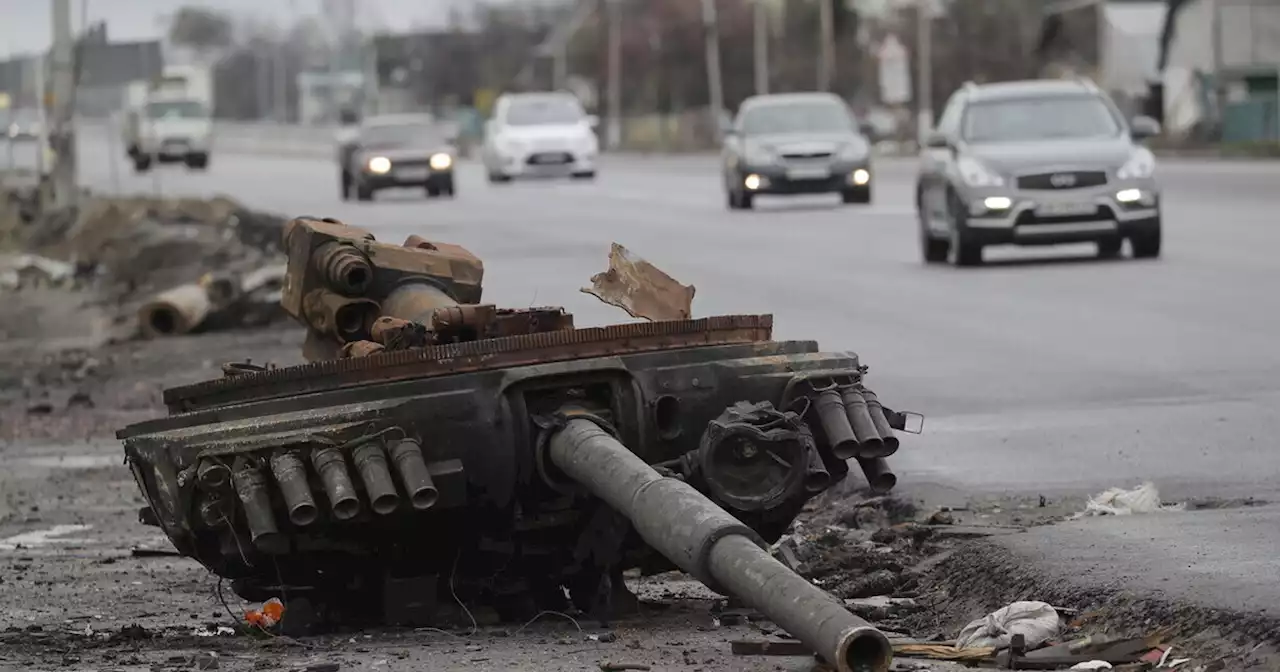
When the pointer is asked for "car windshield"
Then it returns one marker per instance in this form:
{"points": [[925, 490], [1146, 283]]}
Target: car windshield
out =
{"points": [[394, 135], [176, 109], [1047, 118], [807, 117], [544, 111]]}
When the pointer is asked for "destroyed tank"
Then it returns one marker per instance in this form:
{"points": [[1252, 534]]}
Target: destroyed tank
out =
{"points": [[436, 451]]}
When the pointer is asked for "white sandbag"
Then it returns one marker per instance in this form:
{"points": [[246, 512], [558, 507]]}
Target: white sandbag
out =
{"points": [[1036, 621]]}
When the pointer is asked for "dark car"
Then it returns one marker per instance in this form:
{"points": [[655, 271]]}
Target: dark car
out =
{"points": [[1036, 162], [394, 151], [795, 143]]}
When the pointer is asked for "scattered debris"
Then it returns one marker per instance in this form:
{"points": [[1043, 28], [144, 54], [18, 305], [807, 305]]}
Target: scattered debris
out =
{"points": [[1037, 621], [1120, 502], [127, 251], [26, 271], [641, 289], [154, 553], [268, 616], [620, 667]]}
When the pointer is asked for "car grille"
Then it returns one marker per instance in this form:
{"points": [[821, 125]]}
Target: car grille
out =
{"points": [[1063, 180], [806, 155], [1103, 213], [410, 163], [549, 159]]}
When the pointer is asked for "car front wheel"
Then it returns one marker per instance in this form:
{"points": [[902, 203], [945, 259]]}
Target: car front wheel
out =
{"points": [[856, 195], [961, 250], [1146, 245]]}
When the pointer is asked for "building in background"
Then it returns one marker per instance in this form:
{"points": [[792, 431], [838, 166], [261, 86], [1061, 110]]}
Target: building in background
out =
{"points": [[1207, 68], [106, 70]]}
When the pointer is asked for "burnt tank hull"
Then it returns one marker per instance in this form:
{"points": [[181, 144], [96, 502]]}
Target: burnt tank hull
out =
{"points": [[221, 472]]}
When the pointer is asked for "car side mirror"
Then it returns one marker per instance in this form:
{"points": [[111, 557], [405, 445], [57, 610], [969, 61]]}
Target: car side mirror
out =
{"points": [[593, 120], [936, 140], [867, 130], [1143, 127]]}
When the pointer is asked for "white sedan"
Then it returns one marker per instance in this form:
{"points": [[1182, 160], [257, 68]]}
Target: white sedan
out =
{"points": [[539, 134]]}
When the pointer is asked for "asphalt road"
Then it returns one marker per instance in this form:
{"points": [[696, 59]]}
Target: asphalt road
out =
{"points": [[1046, 371]]}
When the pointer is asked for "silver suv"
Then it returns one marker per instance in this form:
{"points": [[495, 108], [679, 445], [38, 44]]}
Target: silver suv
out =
{"points": [[1036, 162]]}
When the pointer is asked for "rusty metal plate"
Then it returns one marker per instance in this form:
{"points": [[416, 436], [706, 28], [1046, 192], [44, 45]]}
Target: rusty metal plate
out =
{"points": [[471, 356]]}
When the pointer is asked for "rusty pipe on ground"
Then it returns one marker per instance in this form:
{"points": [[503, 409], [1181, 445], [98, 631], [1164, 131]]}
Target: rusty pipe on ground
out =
{"points": [[332, 467], [291, 476], [713, 546], [174, 312]]}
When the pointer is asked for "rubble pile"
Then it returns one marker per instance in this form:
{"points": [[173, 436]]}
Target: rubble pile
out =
{"points": [[160, 266]]}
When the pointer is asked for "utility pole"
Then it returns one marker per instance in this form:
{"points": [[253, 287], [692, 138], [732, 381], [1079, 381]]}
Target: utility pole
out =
{"points": [[560, 68], [1219, 86], [924, 57], [827, 45], [715, 87], [614, 135], [42, 105], [64, 90], [282, 84], [762, 47]]}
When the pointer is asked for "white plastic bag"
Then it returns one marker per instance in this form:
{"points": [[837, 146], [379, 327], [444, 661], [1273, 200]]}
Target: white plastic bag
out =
{"points": [[1119, 502], [1036, 621]]}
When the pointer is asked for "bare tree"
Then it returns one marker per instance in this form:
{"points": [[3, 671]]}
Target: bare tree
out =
{"points": [[200, 29]]}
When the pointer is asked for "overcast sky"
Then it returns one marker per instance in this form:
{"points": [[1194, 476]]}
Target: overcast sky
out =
{"points": [[24, 24]]}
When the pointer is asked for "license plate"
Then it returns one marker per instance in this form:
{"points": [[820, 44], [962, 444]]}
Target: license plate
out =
{"points": [[550, 159], [412, 173], [1066, 209], [820, 173]]}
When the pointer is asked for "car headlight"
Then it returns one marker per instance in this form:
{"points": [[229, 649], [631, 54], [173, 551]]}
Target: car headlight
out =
{"points": [[975, 174], [441, 161], [1141, 164], [379, 165]]}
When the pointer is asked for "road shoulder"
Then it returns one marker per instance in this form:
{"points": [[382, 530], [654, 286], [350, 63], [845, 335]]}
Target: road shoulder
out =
{"points": [[1202, 577]]}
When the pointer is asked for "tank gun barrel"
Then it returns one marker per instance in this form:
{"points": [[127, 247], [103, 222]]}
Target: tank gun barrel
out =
{"points": [[713, 546]]}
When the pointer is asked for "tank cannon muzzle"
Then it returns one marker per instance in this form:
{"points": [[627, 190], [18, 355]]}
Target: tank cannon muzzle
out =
{"points": [[710, 544]]}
